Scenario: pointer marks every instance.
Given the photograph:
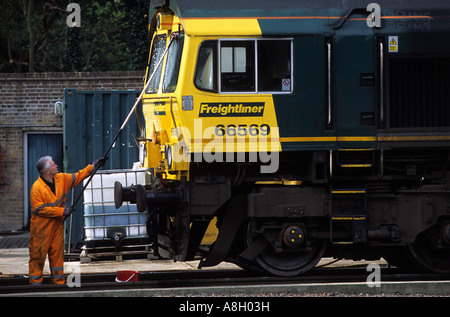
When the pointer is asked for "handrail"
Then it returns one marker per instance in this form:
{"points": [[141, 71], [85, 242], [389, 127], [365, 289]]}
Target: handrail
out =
{"points": [[346, 16], [381, 84]]}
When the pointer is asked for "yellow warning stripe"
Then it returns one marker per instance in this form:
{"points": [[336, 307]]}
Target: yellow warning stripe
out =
{"points": [[414, 138], [348, 191], [393, 138], [348, 218], [355, 165], [329, 139], [308, 139]]}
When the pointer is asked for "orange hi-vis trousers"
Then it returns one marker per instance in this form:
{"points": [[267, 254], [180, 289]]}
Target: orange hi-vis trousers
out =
{"points": [[47, 228], [47, 237]]}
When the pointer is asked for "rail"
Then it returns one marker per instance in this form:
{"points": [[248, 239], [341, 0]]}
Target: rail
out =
{"points": [[350, 280]]}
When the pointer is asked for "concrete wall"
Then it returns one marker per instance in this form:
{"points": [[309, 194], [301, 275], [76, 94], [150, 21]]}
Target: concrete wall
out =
{"points": [[27, 106]]}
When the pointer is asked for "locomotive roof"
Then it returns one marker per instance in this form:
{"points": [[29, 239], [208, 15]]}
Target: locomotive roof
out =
{"points": [[288, 17]]}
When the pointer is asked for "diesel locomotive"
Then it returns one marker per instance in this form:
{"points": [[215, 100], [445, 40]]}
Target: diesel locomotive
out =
{"points": [[301, 129]]}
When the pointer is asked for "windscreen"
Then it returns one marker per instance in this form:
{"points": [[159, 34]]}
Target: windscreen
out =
{"points": [[158, 48]]}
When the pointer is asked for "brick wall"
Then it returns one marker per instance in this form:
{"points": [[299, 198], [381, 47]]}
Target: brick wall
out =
{"points": [[27, 105]]}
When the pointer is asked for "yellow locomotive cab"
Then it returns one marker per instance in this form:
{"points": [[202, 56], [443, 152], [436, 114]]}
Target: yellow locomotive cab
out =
{"points": [[192, 114]]}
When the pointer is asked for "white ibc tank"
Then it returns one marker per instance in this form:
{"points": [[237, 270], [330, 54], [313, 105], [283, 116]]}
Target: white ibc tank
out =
{"points": [[102, 221]]}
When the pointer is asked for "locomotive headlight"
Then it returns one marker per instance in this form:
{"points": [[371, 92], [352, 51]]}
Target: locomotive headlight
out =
{"points": [[142, 153], [168, 154]]}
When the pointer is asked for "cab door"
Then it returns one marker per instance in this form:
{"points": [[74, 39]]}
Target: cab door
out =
{"points": [[354, 84]]}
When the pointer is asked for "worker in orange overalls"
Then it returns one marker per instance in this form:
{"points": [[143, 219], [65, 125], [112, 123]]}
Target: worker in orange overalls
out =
{"points": [[48, 197]]}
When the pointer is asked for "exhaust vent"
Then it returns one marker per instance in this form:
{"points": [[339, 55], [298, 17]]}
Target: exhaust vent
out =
{"points": [[419, 92]]}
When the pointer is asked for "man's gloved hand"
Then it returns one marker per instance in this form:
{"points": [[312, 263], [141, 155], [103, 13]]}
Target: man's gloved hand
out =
{"points": [[67, 211], [99, 162]]}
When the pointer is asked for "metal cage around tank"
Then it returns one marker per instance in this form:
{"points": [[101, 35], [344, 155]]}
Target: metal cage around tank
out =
{"points": [[102, 221]]}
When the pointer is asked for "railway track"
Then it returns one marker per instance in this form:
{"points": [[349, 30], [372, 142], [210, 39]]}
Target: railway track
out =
{"points": [[226, 282]]}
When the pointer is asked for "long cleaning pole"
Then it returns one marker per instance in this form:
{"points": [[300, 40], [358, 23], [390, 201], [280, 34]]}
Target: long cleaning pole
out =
{"points": [[125, 122]]}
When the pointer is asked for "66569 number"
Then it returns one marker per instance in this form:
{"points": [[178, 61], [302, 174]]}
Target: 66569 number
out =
{"points": [[242, 130]]}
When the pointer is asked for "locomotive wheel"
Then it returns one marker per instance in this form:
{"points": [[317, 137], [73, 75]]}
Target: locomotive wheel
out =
{"points": [[429, 253], [288, 263], [402, 258]]}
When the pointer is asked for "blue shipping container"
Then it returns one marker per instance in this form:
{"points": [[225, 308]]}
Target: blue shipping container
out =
{"points": [[91, 121]]}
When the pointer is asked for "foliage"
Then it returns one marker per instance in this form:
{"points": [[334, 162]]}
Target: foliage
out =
{"points": [[137, 15], [112, 37]]}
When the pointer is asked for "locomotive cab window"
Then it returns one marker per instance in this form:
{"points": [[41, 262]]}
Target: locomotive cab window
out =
{"points": [[245, 66], [158, 48], [206, 72], [237, 66], [274, 66], [173, 64]]}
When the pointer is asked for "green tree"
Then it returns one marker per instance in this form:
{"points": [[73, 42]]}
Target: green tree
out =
{"points": [[28, 10], [104, 37], [137, 16], [13, 56], [74, 56], [34, 36]]}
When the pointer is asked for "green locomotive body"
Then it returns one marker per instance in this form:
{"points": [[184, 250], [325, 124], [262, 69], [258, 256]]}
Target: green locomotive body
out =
{"points": [[306, 128]]}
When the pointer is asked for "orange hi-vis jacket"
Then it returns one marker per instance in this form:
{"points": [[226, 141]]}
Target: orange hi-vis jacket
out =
{"points": [[47, 229]]}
